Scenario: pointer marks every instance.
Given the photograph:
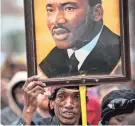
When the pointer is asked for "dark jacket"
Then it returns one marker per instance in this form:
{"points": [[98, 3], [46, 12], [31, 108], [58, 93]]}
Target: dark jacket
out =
{"points": [[102, 60], [43, 121]]}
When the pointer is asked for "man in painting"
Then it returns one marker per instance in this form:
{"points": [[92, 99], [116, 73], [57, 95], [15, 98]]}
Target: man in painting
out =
{"points": [[84, 45]]}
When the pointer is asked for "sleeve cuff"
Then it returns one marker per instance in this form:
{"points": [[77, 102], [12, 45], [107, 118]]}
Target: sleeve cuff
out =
{"points": [[22, 122]]}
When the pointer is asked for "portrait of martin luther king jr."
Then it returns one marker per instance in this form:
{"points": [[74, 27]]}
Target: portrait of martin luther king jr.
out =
{"points": [[84, 45]]}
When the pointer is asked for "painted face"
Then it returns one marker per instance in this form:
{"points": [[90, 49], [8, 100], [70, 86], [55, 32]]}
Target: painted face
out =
{"points": [[123, 119], [67, 106], [69, 22]]}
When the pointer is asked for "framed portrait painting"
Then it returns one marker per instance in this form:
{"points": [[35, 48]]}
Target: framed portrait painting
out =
{"points": [[78, 41]]}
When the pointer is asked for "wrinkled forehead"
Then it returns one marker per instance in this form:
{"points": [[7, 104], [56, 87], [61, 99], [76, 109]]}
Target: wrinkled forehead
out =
{"points": [[79, 2]]}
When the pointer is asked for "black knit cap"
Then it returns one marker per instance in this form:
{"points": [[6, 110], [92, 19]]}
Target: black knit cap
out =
{"points": [[107, 113]]}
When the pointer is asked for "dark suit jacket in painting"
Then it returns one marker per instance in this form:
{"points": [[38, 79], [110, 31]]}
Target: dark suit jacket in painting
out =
{"points": [[102, 60]]}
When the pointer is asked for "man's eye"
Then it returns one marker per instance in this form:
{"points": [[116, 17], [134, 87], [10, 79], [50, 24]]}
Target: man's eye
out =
{"points": [[77, 97], [69, 8], [61, 97], [49, 10]]}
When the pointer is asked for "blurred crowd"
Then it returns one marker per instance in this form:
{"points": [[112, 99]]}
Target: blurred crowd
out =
{"points": [[13, 77], [8, 69], [12, 80]]}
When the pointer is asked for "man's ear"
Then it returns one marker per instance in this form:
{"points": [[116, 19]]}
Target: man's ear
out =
{"points": [[51, 104], [97, 13]]}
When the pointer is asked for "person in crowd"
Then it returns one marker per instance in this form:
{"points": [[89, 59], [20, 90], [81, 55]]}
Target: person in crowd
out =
{"points": [[42, 105], [3, 92], [12, 112], [12, 66], [118, 108], [93, 110], [93, 106], [64, 104], [84, 45]]}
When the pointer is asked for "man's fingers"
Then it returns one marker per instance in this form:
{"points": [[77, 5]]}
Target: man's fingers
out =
{"points": [[36, 88], [33, 78], [32, 92], [35, 94], [39, 92], [32, 84], [39, 83]]}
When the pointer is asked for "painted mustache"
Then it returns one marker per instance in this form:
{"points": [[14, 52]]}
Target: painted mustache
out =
{"points": [[59, 30]]}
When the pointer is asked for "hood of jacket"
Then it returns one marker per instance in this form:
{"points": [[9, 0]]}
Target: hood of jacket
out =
{"points": [[18, 77]]}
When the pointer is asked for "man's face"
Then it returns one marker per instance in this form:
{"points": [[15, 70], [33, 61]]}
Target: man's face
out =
{"points": [[67, 106], [69, 22], [123, 119]]}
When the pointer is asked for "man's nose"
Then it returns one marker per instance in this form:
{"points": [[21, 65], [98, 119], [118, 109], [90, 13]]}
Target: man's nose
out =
{"points": [[69, 103], [59, 18]]}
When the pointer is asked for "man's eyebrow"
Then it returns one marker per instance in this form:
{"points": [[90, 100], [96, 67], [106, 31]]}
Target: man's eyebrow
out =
{"points": [[49, 5], [66, 3]]}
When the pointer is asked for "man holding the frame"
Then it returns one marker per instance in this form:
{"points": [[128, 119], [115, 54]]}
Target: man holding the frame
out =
{"points": [[64, 104], [84, 45]]}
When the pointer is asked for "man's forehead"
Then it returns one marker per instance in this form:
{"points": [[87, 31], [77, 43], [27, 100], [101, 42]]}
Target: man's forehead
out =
{"points": [[63, 1], [60, 1], [68, 90]]}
